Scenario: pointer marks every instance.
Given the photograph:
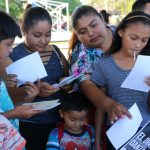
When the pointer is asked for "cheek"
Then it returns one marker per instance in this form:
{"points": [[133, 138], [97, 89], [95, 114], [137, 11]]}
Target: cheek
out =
{"points": [[83, 39]]}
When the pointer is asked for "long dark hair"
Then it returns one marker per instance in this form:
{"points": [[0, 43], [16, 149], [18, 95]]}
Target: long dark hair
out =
{"points": [[131, 18]]}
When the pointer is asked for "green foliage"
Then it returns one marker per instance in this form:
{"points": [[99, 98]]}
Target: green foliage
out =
{"points": [[15, 8], [72, 4], [121, 6]]}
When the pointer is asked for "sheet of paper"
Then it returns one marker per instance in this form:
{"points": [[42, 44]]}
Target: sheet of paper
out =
{"points": [[67, 80], [140, 71], [125, 128], [44, 105], [29, 68]]}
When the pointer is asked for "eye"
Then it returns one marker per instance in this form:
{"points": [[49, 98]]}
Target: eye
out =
{"points": [[48, 35], [145, 40], [37, 35], [82, 32], [93, 25]]}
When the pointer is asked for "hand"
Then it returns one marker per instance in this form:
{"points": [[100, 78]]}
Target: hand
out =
{"points": [[47, 89], [147, 80], [116, 111], [25, 112], [32, 90], [10, 80], [67, 87]]}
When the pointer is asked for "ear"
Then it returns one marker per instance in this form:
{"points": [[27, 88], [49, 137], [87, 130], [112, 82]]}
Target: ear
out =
{"points": [[61, 113], [120, 32]]}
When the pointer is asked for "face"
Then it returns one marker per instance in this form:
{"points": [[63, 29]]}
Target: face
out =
{"points": [[38, 36], [91, 31], [74, 120], [6, 47], [134, 38], [147, 8]]}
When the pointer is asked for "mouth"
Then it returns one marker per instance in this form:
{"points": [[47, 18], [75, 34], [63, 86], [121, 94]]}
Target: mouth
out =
{"points": [[94, 39]]}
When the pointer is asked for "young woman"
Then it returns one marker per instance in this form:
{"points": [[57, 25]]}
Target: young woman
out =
{"points": [[36, 27], [93, 38], [132, 36]]}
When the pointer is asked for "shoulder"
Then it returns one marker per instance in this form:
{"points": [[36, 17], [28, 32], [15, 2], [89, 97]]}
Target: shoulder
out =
{"points": [[104, 59], [90, 128], [112, 28], [17, 47], [54, 132]]}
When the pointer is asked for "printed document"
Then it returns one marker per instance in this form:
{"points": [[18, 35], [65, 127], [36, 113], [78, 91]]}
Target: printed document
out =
{"points": [[125, 128]]}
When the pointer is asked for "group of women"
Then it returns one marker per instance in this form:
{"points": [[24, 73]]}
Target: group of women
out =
{"points": [[104, 55]]}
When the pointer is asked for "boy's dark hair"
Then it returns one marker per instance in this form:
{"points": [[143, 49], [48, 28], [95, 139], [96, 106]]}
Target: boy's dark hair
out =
{"points": [[75, 101], [33, 15], [139, 5], [8, 27]]}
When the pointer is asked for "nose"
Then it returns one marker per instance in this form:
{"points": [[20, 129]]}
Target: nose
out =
{"points": [[77, 123], [43, 39], [90, 32], [138, 44]]}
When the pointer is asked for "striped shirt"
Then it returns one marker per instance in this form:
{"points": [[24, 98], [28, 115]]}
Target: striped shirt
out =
{"points": [[109, 75]]}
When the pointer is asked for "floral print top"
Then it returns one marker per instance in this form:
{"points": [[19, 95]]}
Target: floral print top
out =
{"points": [[83, 59]]}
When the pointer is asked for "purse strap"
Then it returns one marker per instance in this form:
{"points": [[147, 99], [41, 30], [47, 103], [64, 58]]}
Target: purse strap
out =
{"points": [[64, 63]]}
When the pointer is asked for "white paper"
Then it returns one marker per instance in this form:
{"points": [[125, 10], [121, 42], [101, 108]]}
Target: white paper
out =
{"points": [[44, 105], [67, 80], [125, 128], [137, 76], [28, 69]]}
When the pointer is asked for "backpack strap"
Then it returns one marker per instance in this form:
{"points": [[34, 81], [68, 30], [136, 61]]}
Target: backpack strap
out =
{"points": [[60, 132], [87, 128], [64, 63]]}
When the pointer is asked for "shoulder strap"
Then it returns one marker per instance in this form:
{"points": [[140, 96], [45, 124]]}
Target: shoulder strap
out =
{"points": [[60, 132], [63, 61], [87, 128]]}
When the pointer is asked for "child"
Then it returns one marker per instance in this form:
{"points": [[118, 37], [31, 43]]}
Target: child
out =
{"points": [[131, 37], [8, 31], [74, 133]]}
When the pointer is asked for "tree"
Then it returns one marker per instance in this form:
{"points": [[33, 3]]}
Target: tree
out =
{"points": [[15, 8], [122, 6], [72, 4]]}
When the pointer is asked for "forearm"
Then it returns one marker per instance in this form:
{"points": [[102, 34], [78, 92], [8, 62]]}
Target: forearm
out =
{"points": [[99, 121], [17, 94], [10, 114], [95, 95]]}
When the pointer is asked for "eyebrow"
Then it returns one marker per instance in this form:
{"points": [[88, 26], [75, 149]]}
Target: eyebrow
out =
{"points": [[88, 25]]}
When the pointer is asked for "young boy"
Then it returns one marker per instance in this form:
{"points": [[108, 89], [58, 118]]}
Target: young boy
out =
{"points": [[73, 133]]}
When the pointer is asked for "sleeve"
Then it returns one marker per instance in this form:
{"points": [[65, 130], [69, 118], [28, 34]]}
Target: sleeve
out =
{"points": [[98, 76], [77, 63], [53, 143]]}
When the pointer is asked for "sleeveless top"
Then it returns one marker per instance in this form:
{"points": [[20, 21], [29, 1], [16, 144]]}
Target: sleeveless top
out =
{"points": [[55, 72]]}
